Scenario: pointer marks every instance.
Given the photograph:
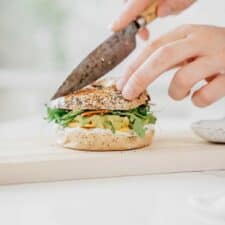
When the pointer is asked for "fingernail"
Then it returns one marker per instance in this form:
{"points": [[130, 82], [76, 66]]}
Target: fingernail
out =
{"points": [[119, 85], [128, 93], [164, 11]]}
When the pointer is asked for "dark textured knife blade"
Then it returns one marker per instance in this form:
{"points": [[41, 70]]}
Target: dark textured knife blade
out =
{"points": [[103, 59]]}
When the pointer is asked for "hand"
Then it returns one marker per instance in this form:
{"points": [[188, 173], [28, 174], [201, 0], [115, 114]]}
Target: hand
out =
{"points": [[202, 47], [133, 8]]}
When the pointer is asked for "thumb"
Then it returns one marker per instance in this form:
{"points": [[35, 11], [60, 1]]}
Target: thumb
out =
{"points": [[168, 7]]}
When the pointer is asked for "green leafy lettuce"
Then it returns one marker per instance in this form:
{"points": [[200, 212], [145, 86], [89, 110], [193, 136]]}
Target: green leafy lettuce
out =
{"points": [[62, 116], [138, 118]]}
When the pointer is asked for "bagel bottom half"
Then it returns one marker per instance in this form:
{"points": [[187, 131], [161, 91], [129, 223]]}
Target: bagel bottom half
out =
{"points": [[103, 141]]}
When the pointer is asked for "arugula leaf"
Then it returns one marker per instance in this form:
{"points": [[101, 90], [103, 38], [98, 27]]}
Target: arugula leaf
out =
{"points": [[55, 114], [62, 116], [143, 110], [138, 117], [138, 127]]}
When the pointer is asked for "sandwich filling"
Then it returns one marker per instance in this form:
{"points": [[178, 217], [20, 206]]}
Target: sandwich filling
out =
{"points": [[135, 119]]}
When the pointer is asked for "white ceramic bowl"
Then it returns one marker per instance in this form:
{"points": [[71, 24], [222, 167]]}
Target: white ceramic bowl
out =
{"points": [[210, 130]]}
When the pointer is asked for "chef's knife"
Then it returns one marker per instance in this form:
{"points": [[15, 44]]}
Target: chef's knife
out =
{"points": [[107, 55]]}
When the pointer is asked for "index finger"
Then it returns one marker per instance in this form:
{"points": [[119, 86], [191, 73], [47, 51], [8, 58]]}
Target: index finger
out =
{"points": [[159, 62], [132, 9]]}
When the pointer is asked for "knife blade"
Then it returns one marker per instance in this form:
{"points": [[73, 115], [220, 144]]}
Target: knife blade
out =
{"points": [[106, 56], [103, 59]]}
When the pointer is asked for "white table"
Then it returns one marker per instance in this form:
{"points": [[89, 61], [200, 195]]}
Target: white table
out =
{"points": [[187, 199], [183, 199]]}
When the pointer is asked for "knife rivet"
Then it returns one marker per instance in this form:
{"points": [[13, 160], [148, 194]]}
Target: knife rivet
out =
{"points": [[102, 59]]}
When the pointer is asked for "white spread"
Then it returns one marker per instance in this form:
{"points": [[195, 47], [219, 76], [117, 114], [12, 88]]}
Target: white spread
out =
{"points": [[66, 130], [57, 103]]}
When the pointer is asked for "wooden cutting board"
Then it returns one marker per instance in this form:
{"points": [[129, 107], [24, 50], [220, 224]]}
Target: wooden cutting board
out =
{"points": [[28, 154]]}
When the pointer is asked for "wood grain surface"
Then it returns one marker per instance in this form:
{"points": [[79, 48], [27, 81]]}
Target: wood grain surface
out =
{"points": [[28, 154]]}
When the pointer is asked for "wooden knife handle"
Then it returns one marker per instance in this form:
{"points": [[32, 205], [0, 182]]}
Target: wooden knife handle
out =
{"points": [[149, 14]]}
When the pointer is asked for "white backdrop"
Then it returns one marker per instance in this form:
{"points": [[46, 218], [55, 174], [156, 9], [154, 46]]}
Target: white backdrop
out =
{"points": [[45, 39]]}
